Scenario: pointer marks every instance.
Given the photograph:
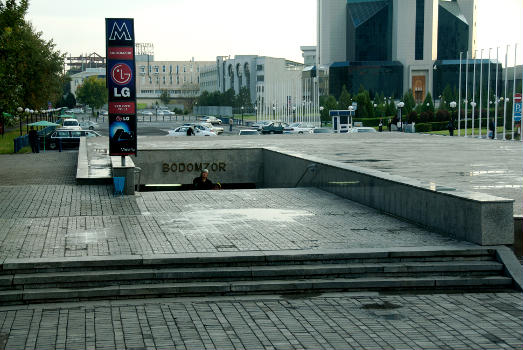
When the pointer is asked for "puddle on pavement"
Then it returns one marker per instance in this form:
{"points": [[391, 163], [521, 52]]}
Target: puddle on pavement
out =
{"points": [[86, 237], [221, 216]]}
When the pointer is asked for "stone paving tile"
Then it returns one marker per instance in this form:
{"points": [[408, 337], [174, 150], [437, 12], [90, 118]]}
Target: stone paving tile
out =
{"points": [[58, 221], [341, 321]]}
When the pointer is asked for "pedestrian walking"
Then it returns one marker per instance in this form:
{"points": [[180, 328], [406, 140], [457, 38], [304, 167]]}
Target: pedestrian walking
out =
{"points": [[190, 131], [34, 140], [231, 122], [380, 126], [389, 125], [450, 126], [491, 126]]}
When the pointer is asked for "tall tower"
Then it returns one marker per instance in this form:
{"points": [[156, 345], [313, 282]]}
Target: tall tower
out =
{"points": [[332, 31], [469, 10]]}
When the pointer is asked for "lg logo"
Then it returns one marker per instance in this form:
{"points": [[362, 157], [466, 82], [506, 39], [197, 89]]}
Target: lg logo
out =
{"points": [[121, 74]]}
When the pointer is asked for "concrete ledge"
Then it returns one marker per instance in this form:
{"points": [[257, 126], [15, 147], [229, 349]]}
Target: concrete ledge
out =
{"points": [[124, 167], [474, 217], [513, 268], [518, 235]]}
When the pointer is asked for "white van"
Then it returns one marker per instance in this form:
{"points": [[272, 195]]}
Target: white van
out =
{"points": [[71, 124]]}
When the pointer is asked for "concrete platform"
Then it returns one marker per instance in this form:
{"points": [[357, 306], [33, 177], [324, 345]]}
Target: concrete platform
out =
{"points": [[476, 165]]}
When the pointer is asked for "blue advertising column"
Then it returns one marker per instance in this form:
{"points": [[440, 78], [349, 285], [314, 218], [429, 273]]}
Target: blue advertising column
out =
{"points": [[121, 82]]}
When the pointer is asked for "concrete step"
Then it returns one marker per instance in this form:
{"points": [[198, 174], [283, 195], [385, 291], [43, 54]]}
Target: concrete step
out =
{"points": [[255, 287], [13, 266], [72, 279]]}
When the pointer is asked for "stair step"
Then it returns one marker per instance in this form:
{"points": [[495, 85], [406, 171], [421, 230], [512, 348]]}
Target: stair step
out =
{"points": [[242, 259], [251, 272], [240, 287]]}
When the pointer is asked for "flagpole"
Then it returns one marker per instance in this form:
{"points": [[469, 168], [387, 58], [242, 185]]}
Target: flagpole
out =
{"points": [[488, 94], [459, 97], [496, 96], [474, 93], [480, 89], [506, 88], [514, 92], [466, 92]]}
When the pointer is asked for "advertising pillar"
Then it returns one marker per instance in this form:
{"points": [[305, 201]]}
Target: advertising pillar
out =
{"points": [[121, 82]]}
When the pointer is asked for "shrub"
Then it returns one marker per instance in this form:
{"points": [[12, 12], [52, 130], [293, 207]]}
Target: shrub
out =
{"points": [[423, 127], [442, 115]]}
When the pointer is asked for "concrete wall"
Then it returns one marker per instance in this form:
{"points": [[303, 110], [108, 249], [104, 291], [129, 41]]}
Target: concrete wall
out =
{"points": [[181, 166], [473, 217]]}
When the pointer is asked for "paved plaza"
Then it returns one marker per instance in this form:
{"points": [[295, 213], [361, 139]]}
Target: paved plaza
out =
{"points": [[47, 215], [494, 167]]}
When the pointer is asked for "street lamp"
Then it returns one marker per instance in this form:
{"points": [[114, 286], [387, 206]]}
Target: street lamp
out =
{"points": [[274, 111], [400, 106], [351, 110], [294, 114], [242, 115], [321, 111], [256, 112], [19, 110], [473, 104]]}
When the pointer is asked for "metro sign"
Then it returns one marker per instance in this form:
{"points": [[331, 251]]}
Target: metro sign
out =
{"points": [[119, 31]]}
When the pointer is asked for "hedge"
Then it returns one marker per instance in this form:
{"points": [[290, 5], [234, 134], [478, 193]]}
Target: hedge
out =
{"points": [[423, 127]]}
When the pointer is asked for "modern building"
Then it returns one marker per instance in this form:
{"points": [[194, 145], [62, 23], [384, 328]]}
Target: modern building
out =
{"points": [[309, 55], [78, 78], [181, 79], [374, 42]]}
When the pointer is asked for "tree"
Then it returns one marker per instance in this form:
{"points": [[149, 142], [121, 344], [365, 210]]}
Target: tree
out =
{"points": [[30, 68], [365, 106], [428, 104], [165, 97], [329, 104], [92, 92], [409, 101], [345, 100], [243, 99]]}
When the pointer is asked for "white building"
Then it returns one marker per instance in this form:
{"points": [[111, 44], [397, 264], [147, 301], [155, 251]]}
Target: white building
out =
{"points": [[78, 78], [181, 79]]}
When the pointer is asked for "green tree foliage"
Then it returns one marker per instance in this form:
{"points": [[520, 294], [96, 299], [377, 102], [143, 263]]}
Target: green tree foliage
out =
{"points": [[345, 99], [365, 105], [390, 109], [329, 104], [409, 101], [447, 97], [165, 97], [30, 68], [243, 99], [92, 92], [428, 104]]}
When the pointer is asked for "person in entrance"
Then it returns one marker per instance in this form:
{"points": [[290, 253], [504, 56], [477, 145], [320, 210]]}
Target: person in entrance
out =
{"points": [[202, 182]]}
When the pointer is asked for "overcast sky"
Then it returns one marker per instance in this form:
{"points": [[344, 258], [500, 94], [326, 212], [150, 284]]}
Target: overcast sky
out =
{"points": [[204, 29]]}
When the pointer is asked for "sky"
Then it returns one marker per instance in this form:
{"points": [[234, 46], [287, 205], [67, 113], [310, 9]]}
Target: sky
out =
{"points": [[204, 29]]}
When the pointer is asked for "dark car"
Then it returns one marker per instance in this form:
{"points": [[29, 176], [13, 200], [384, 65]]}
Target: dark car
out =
{"points": [[273, 128], [68, 138]]}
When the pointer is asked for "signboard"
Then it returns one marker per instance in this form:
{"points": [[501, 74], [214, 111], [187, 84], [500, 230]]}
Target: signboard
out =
{"points": [[121, 83], [517, 108]]}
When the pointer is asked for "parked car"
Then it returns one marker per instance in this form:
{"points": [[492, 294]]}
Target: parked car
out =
{"points": [[182, 131], [164, 112], [71, 124], [248, 132], [298, 128], [273, 128], [90, 125], [361, 129], [68, 138], [211, 119], [215, 129], [258, 125], [104, 112], [321, 131]]}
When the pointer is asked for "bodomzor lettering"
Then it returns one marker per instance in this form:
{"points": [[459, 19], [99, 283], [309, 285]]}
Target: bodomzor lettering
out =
{"points": [[193, 167]]}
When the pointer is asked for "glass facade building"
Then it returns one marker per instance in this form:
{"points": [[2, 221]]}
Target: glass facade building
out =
{"points": [[420, 29], [446, 72], [369, 30], [376, 76], [453, 31]]}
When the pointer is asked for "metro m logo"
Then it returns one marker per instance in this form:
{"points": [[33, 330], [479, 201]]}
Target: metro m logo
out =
{"points": [[120, 32]]}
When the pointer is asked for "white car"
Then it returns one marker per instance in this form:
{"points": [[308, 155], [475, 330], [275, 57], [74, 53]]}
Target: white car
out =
{"points": [[147, 113], [298, 128], [212, 120], [71, 124], [182, 131], [165, 112], [360, 129], [87, 124], [215, 129]]}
